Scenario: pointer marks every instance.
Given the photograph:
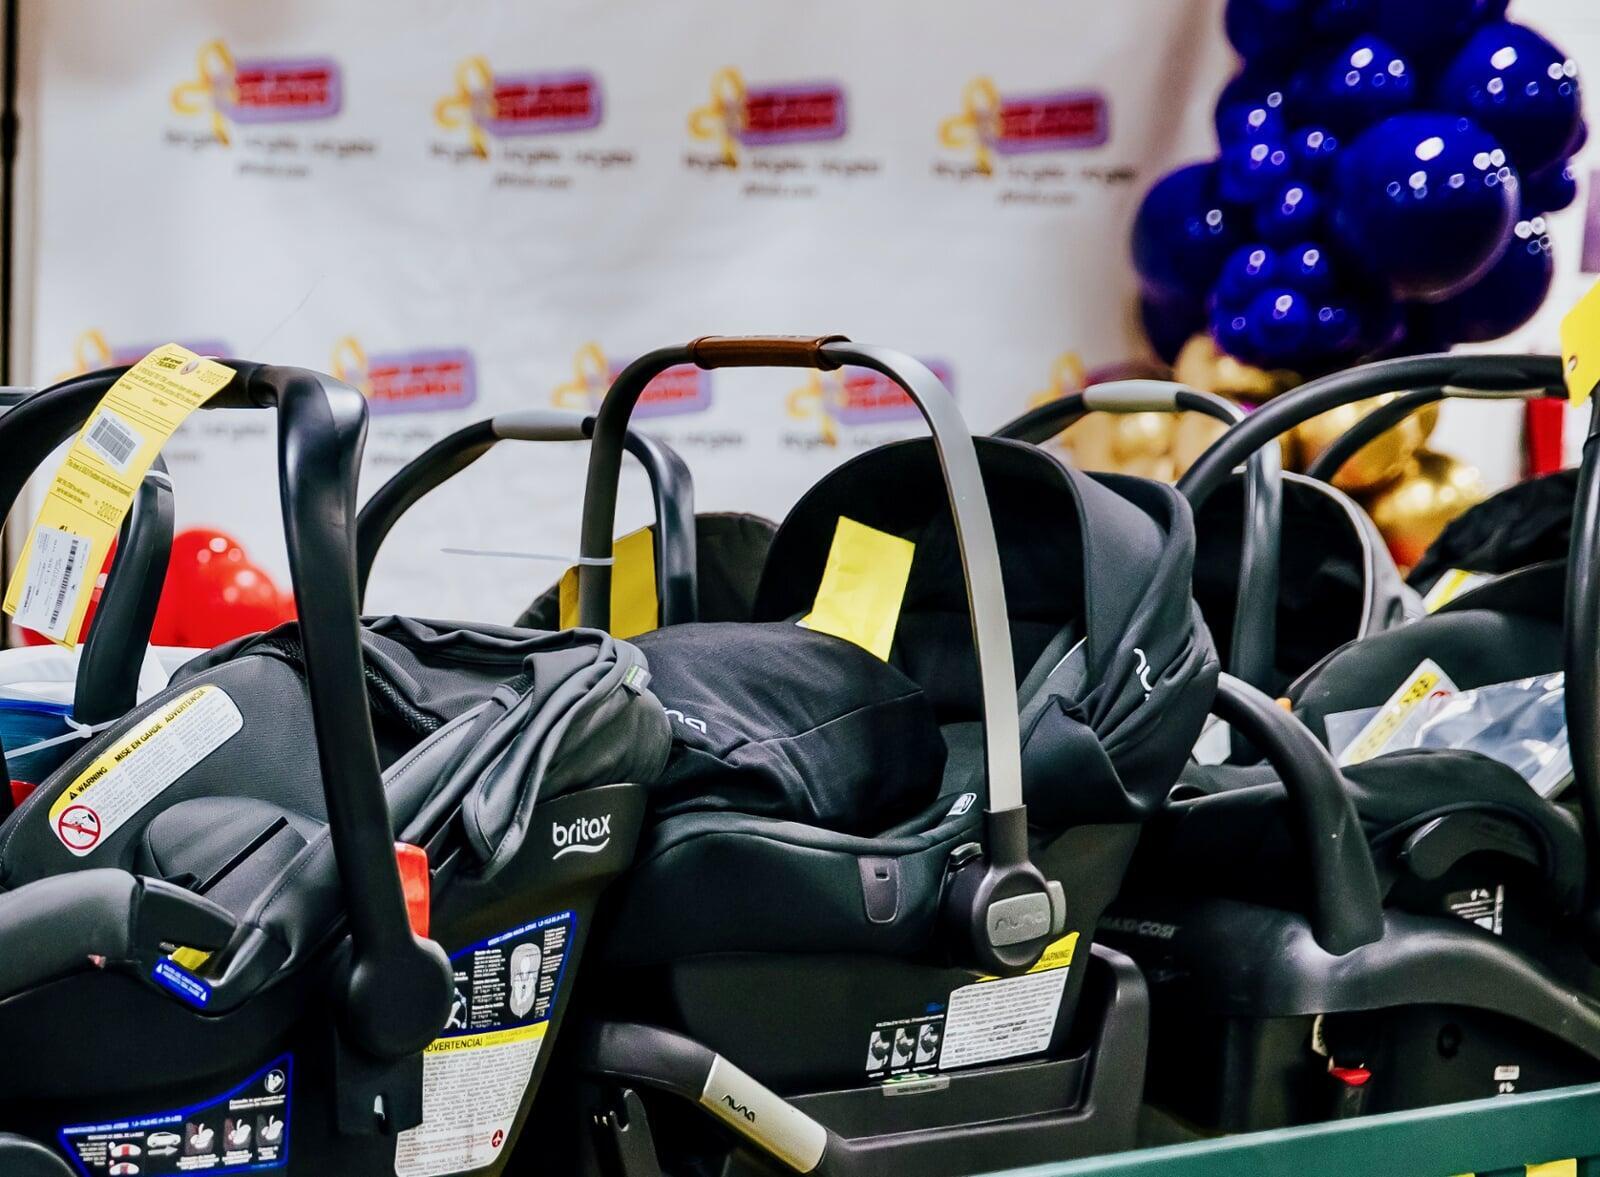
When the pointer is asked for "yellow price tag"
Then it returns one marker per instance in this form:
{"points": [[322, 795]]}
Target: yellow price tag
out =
{"points": [[1566, 1168], [1580, 347], [863, 586], [635, 608], [94, 488]]}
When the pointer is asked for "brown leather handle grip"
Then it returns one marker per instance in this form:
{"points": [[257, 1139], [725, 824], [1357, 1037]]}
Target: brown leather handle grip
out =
{"points": [[762, 351]]}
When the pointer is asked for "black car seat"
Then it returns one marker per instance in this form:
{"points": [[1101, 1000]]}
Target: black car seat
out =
{"points": [[879, 921], [214, 878]]}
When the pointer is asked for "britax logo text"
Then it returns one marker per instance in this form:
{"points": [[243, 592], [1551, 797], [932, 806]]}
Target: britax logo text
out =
{"points": [[587, 835]]}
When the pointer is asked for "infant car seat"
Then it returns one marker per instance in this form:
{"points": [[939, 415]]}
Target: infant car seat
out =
{"points": [[211, 887], [1287, 568], [778, 960], [1480, 942]]}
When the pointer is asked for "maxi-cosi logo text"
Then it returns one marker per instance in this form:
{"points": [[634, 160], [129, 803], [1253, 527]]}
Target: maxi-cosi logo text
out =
{"points": [[231, 91], [586, 835], [487, 104]]}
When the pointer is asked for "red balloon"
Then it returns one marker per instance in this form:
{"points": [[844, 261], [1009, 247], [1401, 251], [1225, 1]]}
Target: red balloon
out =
{"points": [[193, 550], [230, 600]]}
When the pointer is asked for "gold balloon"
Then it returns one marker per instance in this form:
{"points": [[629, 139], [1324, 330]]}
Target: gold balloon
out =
{"points": [[1202, 364], [1192, 436], [1432, 490], [1141, 435], [1123, 443], [1380, 461]]}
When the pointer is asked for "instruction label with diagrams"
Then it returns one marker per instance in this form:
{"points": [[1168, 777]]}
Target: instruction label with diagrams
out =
{"points": [[476, 1073], [988, 1021], [136, 769], [245, 1130]]}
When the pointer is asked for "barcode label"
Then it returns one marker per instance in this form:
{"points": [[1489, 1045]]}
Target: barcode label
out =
{"points": [[113, 439], [54, 580]]}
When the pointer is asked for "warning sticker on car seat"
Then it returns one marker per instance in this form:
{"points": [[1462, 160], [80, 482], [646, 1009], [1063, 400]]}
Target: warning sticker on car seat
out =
{"points": [[245, 1130], [1007, 1017], [475, 1075], [134, 771]]}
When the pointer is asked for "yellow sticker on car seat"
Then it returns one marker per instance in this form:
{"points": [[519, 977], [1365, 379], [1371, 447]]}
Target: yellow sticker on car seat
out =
{"points": [[1566, 1168], [863, 586], [95, 485], [1450, 586], [1580, 346], [635, 606]]}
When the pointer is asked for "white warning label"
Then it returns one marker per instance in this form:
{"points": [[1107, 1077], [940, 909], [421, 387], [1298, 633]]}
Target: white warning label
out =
{"points": [[1003, 1019], [471, 1090], [130, 774], [474, 1077]]}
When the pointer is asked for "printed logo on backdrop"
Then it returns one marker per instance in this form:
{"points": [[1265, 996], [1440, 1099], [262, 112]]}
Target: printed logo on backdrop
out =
{"points": [[855, 401], [421, 381], [1591, 227], [1020, 127], [748, 125], [258, 105], [509, 118], [683, 391], [92, 351]]}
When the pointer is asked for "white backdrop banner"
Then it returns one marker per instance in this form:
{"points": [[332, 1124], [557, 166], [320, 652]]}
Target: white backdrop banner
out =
{"points": [[468, 208]]}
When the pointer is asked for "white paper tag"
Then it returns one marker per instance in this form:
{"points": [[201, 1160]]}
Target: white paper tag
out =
{"points": [[55, 575]]}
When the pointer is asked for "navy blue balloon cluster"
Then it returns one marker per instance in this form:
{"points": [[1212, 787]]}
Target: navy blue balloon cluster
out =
{"points": [[1384, 172]]}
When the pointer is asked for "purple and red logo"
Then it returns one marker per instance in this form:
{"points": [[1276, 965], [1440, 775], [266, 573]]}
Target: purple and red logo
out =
{"points": [[856, 397], [761, 116], [486, 103], [422, 381], [91, 351], [258, 90], [682, 388], [1015, 124]]}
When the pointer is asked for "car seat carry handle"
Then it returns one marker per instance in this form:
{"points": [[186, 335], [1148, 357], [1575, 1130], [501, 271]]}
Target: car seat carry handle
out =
{"points": [[107, 686], [1255, 615], [1346, 901], [671, 492], [398, 987], [1386, 416], [1463, 375]]}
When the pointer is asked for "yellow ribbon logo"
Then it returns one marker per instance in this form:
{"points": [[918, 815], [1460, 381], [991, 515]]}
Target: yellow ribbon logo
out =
{"points": [[213, 88], [977, 125], [472, 102], [1068, 375], [816, 399], [90, 351], [724, 118], [591, 375], [350, 364]]}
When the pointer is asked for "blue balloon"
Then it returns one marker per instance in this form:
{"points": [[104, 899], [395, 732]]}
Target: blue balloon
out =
{"points": [[1551, 190], [1312, 151], [1273, 331], [1503, 299], [1249, 270], [1292, 213], [1343, 18], [1424, 202], [1251, 171], [1518, 87], [1334, 333], [1230, 328], [1268, 29], [1366, 80], [1429, 28], [1169, 321], [1307, 266], [1249, 107], [1183, 231]]}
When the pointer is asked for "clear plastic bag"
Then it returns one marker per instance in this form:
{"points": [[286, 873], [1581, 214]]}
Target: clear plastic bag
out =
{"points": [[1522, 724]]}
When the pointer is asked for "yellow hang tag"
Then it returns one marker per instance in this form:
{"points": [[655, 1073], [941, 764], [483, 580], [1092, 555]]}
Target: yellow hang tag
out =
{"points": [[1580, 346], [635, 607], [1566, 1168], [95, 485], [863, 587]]}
